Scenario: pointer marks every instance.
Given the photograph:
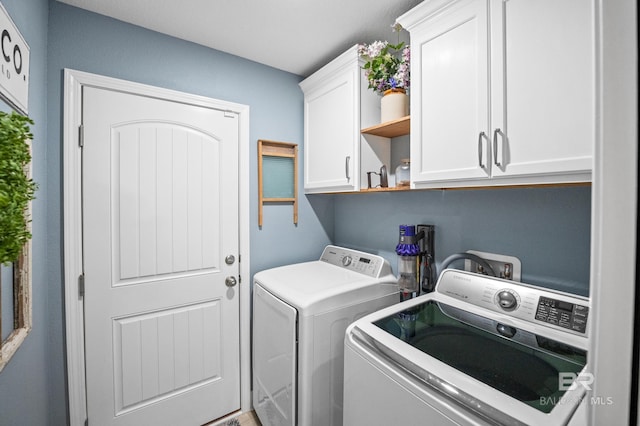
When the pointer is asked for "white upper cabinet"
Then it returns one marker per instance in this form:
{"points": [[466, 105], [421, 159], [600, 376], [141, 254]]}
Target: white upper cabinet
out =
{"points": [[449, 93], [503, 92], [337, 104]]}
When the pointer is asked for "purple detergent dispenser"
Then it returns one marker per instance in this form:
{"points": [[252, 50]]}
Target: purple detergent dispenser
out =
{"points": [[408, 252]]}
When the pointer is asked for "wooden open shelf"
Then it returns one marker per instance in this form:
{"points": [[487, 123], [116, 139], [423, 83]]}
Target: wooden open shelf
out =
{"points": [[462, 188], [389, 189], [390, 129]]}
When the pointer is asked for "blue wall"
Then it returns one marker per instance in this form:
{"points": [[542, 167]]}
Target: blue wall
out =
{"points": [[25, 382], [90, 42], [547, 228], [33, 386]]}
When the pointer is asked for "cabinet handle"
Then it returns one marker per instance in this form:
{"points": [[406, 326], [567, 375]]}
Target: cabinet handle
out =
{"points": [[480, 150], [347, 160], [495, 148]]}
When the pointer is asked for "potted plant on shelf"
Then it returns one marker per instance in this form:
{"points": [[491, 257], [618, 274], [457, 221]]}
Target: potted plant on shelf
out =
{"points": [[387, 70]]}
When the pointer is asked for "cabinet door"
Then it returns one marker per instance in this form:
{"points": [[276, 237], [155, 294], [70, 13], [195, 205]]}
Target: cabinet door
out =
{"points": [[543, 87], [331, 135], [449, 95]]}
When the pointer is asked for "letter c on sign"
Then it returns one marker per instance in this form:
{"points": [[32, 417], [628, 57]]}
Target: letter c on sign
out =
{"points": [[17, 54], [5, 34]]}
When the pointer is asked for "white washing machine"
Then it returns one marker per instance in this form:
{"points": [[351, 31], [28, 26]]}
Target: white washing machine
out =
{"points": [[477, 351], [300, 314]]}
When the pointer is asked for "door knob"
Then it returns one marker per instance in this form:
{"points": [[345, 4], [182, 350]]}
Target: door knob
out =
{"points": [[230, 259], [230, 281]]}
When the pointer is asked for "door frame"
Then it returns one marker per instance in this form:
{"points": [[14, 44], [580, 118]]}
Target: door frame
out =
{"points": [[74, 81]]}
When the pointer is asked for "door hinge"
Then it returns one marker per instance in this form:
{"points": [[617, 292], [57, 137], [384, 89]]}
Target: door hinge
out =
{"points": [[81, 136], [81, 285]]}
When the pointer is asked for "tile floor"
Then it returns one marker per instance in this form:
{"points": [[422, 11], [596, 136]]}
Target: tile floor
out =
{"points": [[249, 419], [246, 419]]}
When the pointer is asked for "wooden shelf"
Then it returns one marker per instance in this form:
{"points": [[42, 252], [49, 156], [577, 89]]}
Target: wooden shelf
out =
{"points": [[389, 189], [461, 188], [390, 129]]}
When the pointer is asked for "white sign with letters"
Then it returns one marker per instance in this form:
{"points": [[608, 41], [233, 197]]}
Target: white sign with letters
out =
{"points": [[14, 64]]}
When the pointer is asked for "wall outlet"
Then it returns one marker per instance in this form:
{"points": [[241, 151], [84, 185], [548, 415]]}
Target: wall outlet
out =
{"points": [[508, 267]]}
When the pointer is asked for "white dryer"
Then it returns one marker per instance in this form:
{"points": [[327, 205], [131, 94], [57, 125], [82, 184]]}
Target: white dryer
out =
{"points": [[300, 314]]}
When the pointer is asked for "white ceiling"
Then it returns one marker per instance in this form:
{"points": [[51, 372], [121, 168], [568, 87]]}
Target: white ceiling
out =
{"points": [[298, 36]]}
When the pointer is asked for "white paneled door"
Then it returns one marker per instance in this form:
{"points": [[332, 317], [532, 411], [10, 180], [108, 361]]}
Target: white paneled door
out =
{"points": [[160, 221]]}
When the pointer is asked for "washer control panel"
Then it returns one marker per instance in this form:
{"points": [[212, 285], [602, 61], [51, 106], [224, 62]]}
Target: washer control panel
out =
{"points": [[357, 261], [572, 316], [507, 299], [552, 308]]}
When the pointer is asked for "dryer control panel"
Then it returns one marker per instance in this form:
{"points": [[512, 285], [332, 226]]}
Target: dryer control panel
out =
{"points": [[364, 263]]}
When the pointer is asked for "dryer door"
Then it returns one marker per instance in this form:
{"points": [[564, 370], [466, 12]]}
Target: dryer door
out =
{"points": [[274, 358]]}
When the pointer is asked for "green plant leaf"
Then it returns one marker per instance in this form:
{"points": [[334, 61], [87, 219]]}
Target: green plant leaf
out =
{"points": [[16, 188]]}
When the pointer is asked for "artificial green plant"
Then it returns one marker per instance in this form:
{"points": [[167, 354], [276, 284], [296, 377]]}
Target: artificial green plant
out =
{"points": [[17, 189]]}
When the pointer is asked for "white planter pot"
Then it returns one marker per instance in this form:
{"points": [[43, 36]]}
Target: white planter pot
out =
{"points": [[394, 105]]}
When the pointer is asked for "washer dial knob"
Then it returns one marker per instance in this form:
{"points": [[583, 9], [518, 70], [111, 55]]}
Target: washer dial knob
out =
{"points": [[507, 299], [346, 261]]}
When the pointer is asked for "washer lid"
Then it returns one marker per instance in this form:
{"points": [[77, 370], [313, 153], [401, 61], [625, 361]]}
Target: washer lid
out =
{"points": [[502, 369], [318, 286]]}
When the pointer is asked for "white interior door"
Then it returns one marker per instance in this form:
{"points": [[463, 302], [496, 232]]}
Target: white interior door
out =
{"points": [[160, 215]]}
